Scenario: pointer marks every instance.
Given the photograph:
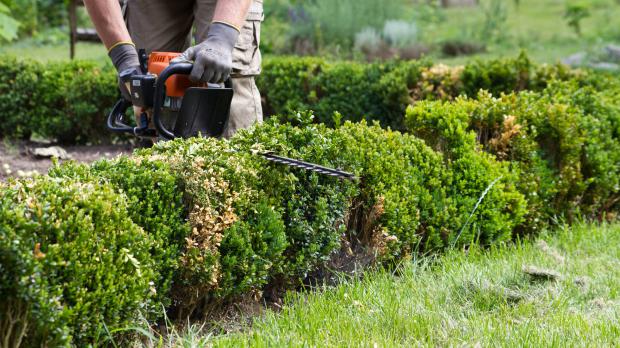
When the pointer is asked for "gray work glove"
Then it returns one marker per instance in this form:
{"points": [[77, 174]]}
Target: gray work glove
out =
{"points": [[126, 61], [213, 57]]}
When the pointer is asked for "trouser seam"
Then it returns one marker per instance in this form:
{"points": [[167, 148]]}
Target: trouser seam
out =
{"points": [[253, 87]]}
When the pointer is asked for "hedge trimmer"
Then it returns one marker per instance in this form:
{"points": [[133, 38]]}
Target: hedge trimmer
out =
{"points": [[200, 110]]}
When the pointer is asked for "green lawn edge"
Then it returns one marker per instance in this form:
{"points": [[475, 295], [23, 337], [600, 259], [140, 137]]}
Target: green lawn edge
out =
{"points": [[469, 298]]}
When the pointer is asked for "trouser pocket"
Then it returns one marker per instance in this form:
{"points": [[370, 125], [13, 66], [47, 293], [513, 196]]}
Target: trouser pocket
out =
{"points": [[246, 55]]}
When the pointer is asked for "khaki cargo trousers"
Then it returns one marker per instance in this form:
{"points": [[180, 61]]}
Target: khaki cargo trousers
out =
{"points": [[166, 25]]}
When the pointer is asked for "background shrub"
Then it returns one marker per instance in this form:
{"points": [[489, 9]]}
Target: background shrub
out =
{"points": [[359, 91], [63, 101], [19, 97], [285, 83], [497, 76]]}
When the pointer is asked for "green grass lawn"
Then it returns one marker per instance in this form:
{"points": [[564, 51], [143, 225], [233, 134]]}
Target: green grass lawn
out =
{"points": [[460, 299], [538, 26], [57, 52]]}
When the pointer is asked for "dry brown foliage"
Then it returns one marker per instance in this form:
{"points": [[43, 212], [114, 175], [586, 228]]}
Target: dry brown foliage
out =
{"points": [[500, 145]]}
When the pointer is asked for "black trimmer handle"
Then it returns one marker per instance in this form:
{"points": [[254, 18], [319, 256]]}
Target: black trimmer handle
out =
{"points": [[160, 94], [118, 114]]}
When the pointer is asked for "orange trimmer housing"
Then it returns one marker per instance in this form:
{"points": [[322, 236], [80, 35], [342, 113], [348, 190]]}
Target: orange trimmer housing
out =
{"points": [[176, 85]]}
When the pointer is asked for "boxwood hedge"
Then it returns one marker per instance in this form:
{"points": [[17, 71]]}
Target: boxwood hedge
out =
{"points": [[215, 221], [154, 202], [63, 101], [72, 263], [192, 223], [563, 142]]}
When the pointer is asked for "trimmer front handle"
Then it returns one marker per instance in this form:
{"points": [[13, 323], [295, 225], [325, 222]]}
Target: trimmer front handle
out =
{"points": [[118, 115], [203, 111]]}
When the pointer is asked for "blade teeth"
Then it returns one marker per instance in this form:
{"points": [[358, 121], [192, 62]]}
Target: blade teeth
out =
{"points": [[310, 167]]}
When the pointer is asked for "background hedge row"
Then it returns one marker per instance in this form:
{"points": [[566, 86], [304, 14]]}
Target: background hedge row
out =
{"points": [[382, 91], [63, 101], [91, 249], [69, 101]]}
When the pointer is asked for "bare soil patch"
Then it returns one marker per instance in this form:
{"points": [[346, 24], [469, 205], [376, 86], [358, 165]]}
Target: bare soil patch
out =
{"points": [[17, 160]]}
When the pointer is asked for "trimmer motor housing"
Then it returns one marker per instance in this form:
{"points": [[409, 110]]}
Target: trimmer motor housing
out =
{"points": [[142, 89], [200, 109]]}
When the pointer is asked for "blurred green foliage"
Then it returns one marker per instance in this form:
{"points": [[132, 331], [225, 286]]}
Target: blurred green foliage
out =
{"points": [[328, 22], [55, 100], [575, 13], [8, 25], [490, 29], [37, 15]]}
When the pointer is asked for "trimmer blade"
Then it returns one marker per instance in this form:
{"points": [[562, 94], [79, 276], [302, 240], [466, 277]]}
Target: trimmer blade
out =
{"points": [[270, 156]]}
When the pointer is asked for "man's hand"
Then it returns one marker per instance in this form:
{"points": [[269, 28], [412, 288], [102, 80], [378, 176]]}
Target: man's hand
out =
{"points": [[125, 59], [213, 57]]}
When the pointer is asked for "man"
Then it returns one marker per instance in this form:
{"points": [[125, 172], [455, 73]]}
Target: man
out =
{"points": [[227, 36]]}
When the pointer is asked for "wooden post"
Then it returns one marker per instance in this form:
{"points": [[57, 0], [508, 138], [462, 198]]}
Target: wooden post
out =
{"points": [[80, 34], [455, 3], [72, 26]]}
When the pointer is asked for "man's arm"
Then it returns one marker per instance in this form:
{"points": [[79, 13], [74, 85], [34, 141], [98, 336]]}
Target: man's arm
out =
{"points": [[232, 12], [108, 20], [213, 57]]}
